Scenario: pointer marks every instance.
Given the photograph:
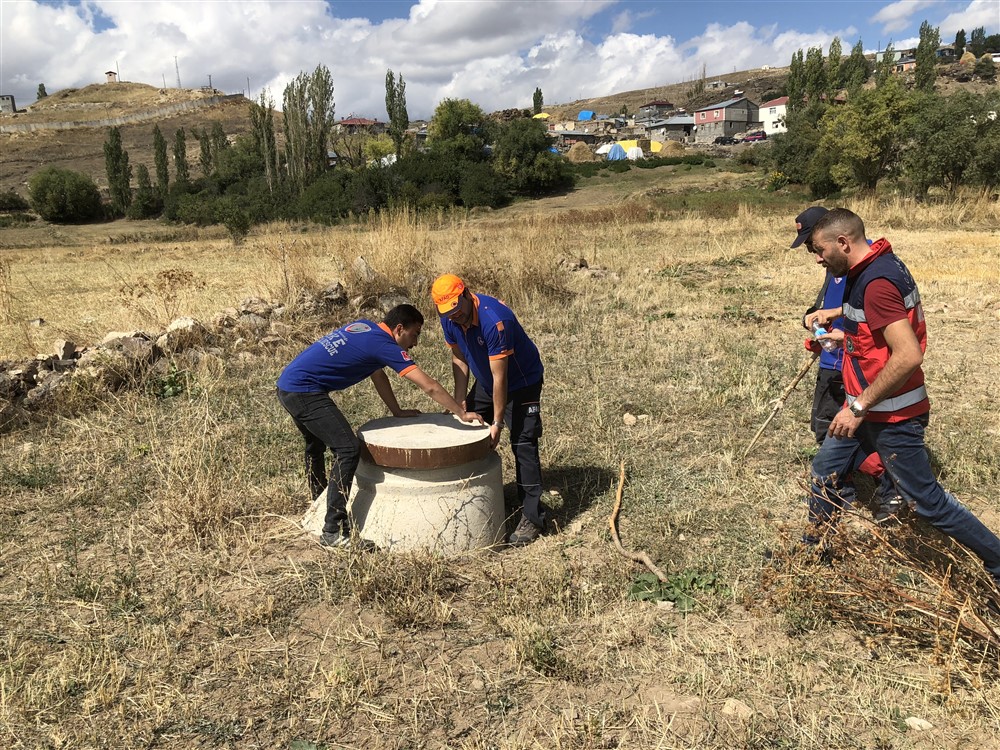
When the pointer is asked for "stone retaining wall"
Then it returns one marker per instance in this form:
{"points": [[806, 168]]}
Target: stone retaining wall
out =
{"points": [[137, 117]]}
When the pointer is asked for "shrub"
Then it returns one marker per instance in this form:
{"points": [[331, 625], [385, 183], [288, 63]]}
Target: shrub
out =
{"points": [[481, 186], [11, 201], [63, 196]]}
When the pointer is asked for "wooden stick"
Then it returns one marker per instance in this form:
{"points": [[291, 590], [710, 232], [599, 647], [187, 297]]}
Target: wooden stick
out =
{"points": [[613, 523], [780, 403]]}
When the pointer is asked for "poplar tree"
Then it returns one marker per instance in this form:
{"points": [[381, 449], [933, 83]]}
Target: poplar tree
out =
{"points": [[119, 172], [160, 160], [926, 69], [262, 132], [959, 43], [833, 66], [855, 70], [796, 84], [308, 108], [395, 107], [815, 74], [41, 93], [180, 158], [977, 41], [537, 101], [885, 66]]}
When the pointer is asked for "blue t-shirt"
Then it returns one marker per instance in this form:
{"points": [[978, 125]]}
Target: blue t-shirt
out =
{"points": [[495, 333], [343, 358], [834, 297]]}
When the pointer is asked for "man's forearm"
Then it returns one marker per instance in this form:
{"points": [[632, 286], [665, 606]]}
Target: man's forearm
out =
{"points": [[896, 372]]}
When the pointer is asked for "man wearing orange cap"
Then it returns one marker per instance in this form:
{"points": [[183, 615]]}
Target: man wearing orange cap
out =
{"points": [[343, 358], [486, 338]]}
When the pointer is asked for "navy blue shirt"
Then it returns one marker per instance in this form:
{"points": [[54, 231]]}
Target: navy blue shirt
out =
{"points": [[834, 297], [343, 358], [495, 333]]}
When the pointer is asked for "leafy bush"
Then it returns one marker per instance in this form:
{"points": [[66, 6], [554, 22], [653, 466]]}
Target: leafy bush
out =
{"points": [[14, 219], [11, 201], [481, 186], [63, 196]]}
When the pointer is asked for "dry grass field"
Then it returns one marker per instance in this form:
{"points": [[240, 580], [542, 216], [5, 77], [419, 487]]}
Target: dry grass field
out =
{"points": [[155, 591]]}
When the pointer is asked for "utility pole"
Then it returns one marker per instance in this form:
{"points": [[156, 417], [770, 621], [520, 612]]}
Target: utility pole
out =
{"points": [[210, 80], [163, 75], [118, 73], [177, 68], [248, 87]]}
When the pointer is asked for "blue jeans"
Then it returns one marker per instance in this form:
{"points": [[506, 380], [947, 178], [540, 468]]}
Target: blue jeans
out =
{"points": [[323, 427], [908, 467]]}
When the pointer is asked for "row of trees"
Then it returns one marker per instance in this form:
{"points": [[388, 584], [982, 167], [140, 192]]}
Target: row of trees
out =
{"points": [[920, 139], [468, 160]]}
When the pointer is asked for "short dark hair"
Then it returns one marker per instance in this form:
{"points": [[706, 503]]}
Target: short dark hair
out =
{"points": [[841, 221], [405, 315]]}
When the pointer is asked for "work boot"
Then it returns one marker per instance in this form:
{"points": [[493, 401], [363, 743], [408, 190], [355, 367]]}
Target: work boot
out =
{"points": [[334, 539], [525, 533], [888, 510]]}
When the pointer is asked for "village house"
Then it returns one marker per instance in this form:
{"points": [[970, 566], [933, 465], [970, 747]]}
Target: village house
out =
{"points": [[7, 105], [655, 109], [351, 125], [725, 118], [676, 128], [772, 114]]}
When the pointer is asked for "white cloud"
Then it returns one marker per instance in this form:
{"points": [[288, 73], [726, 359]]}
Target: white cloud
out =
{"points": [[985, 13], [494, 52], [896, 16]]}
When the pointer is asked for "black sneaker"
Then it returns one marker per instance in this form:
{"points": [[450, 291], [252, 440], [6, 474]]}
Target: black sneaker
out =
{"points": [[525, 533], [334, 539], [888, 510]]}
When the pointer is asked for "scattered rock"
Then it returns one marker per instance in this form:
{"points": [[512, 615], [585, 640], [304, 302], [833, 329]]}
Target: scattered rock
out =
{"points": [[334, 295], [629, 420], [737, 708], [254, 323], [183, 333], [64, 349], [37, 322], [363, 270], [388, 301], [113, 339], [256, 306], [917, 724]]}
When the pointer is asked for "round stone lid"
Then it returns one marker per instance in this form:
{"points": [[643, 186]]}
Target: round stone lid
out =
{"points": [[427, 441]]}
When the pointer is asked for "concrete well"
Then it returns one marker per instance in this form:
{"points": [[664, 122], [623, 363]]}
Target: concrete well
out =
{"points": [[427, 482]]}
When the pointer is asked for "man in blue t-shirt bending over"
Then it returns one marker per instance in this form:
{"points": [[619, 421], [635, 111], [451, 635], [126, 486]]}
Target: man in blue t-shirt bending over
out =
{"points": [[337, 361], [486, 338]]}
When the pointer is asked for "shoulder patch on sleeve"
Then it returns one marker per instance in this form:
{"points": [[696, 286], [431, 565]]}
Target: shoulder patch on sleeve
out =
{"points": [[499, 325]]}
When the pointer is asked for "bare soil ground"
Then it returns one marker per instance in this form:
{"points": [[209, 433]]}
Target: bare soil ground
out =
{"points": [[155, 591]]}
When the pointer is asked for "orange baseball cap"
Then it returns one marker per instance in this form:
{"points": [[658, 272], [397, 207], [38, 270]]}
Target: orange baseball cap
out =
{"points": [[446, 291]]}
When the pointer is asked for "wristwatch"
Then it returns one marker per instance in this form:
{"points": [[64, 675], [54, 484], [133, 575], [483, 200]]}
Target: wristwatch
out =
{"points": [[857, 409]]}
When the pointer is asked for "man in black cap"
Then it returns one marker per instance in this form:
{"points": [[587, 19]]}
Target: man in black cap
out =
{"points": [[829, 396]]}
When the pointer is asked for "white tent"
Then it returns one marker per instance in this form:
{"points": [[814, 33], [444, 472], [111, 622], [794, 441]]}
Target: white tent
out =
{"points": [[634, 154], [602, 150]]}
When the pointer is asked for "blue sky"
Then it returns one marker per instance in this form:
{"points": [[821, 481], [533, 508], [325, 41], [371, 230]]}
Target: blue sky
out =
{"points": [[494, 52]]}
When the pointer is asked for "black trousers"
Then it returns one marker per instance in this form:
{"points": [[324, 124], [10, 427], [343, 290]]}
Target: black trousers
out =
{"points": [[523, 417], [323, 426], [828, 399]]}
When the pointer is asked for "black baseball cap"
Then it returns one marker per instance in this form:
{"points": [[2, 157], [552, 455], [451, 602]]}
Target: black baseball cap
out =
{"points": [[805, 222]]}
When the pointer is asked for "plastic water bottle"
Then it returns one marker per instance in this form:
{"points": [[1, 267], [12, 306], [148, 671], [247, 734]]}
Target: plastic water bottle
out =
{"points": [[827, 344]]}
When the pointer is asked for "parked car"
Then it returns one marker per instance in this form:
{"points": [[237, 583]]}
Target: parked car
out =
{"points": [[760, 135], [725, 140]]}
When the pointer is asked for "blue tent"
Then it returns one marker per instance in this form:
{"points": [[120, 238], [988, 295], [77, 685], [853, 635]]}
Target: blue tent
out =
{"points": [[586, 114], [617, 153], [553, 150]]}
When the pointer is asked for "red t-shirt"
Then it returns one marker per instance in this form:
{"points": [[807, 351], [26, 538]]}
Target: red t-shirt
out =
{"points": [[883, 304]]}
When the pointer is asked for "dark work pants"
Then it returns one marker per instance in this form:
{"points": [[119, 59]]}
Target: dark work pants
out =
{"points": [[523, 417], [323, 426], [901, 446]]}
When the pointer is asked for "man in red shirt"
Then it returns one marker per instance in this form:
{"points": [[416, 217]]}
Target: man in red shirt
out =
{"points": [[887, 408]]}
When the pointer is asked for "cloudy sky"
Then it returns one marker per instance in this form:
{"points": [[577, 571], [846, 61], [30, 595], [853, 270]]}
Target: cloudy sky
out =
{"points": [[494, 52]]}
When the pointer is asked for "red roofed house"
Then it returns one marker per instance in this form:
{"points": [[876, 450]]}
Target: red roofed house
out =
{"points": [[352, 125], [772, 114]]}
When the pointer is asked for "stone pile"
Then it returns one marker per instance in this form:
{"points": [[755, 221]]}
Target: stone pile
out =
{"points": [[123, 358]]}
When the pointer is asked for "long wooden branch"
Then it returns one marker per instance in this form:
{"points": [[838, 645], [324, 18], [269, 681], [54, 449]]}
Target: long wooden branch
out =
{"points": [[641, 557], [780, 403]]}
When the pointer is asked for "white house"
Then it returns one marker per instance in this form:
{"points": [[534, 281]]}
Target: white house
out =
{"points": [[772, 114]]}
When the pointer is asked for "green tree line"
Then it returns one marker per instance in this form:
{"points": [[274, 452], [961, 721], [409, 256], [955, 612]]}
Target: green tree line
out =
{"points": [[468, 160]]}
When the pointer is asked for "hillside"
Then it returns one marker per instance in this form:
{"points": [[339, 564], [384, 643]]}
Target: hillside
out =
{"points": [[758, 84], [82, 148]]}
